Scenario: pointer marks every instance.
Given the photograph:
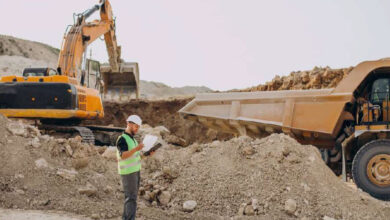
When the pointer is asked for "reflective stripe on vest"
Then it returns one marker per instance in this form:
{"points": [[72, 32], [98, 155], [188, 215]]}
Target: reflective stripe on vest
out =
{"points": [[131, 164]]}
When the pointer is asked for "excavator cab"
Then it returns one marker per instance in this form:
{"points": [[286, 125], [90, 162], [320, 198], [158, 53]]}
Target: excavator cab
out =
{"points": [[39, 72]]}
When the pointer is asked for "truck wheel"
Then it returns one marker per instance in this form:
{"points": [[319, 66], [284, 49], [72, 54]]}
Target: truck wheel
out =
{"points": [[371, 169]]}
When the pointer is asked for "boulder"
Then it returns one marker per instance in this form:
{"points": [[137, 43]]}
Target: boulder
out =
{"points": [[290, 206], [189, 206], [164, 198], [41, 163], [88, 190], [67, 174]]}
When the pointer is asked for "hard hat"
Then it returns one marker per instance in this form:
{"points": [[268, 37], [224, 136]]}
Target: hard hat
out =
{"points": [[135, 119]]}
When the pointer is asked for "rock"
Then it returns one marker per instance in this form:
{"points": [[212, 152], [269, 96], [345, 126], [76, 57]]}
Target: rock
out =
{"points": [[67, 174], [172, 139], [328, 218], [196, 148], [41, 163], [241, 210], [88, 190], [164, 198], [108, 189], [247, 151], [110, 153], [35, 143], [95, 216], [45, 138], [19, 176], [16, 129], [33, 131], [147, 196], [189, 206], [60, 140], [162, 130], [68, 150], [170, 173], [255, 204], [215, 144], [19, 191], [152, 195], [290, 206], [249, 210], [80, 163]]}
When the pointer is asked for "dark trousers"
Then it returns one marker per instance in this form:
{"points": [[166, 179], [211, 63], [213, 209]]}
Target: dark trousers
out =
{"points": [[130, 184]]}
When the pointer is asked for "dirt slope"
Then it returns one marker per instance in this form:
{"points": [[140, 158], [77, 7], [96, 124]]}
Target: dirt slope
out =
{"points": [[243, 178], [160, 112]]}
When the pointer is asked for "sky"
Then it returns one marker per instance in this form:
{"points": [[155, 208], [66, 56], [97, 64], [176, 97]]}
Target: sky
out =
{"points": [[221, 44]]}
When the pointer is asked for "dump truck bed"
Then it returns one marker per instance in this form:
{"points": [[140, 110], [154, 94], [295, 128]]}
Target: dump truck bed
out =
{"points": [[305, 114]]}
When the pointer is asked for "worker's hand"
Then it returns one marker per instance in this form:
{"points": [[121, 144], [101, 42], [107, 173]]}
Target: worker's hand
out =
{"points": [[140, 146]]}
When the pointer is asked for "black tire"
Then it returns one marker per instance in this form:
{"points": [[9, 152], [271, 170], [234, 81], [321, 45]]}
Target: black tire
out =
{"points": [[359, 168]]}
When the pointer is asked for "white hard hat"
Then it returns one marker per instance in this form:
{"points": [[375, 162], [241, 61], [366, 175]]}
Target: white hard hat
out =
{"points": [[135, 119]]}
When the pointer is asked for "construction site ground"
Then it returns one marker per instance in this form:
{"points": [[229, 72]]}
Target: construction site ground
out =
{"points": [[198, 173]]}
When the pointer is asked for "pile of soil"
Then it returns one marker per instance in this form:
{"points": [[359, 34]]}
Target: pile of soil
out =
{"points": [[160, 112], [317, 78], [40, 172], [244, 178]]}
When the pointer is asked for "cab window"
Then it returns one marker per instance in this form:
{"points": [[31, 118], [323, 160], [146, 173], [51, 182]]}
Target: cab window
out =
{"points": [[380, 91]]}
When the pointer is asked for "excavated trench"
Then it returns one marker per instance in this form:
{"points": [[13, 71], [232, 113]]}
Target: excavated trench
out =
{"points": [[160, 112]]}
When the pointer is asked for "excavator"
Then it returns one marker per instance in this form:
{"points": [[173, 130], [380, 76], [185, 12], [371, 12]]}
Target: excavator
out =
{"points": [[61, 98], [350, 123]]}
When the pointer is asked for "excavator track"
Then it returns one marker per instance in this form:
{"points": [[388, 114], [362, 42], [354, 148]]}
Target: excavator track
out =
{"points": [[85, 133], [92, 134]]}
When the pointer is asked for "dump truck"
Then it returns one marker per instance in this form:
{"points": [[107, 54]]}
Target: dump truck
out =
{"points": [[62, 98], [350, 123]]}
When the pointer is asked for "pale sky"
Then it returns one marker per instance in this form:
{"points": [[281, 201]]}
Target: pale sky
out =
{"points": [[221, 44]]}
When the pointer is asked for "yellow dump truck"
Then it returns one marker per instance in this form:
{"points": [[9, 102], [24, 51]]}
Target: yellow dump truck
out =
{"points": [[350, 124]]}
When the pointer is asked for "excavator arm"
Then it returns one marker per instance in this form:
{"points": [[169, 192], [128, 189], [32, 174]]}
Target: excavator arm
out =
{"points": [[117, 76], [83, 33]]}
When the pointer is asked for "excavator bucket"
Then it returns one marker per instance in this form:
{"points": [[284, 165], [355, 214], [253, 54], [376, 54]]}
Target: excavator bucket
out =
{"points": [[122, 85]]}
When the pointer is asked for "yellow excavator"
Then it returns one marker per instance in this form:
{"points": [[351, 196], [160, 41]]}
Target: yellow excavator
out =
{"points": [[72, 92]]}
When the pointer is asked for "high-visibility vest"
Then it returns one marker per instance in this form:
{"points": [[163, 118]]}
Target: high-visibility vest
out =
{"points": [[131, 164]]}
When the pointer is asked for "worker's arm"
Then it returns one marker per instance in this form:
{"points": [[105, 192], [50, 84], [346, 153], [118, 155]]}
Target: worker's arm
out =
{"points": [[123, 148], [130, 153]]}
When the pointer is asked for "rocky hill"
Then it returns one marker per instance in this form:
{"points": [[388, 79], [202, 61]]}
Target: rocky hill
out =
{"points": [[17, 54]]}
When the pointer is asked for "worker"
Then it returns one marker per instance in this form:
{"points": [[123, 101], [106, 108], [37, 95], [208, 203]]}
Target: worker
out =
{"points": [[129, 165]]}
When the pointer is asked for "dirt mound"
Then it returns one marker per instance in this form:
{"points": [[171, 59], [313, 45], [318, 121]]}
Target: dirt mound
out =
{"points": [[270, 178], [318, 78], [243, 178], [160, 112], [40, 172]]}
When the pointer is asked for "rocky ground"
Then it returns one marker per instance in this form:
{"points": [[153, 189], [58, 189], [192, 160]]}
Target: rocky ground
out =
{"points": [[242, 178], [317, 78]]}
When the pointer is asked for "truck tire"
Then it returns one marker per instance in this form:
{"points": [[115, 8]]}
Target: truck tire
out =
{"points": [[371, 169]]}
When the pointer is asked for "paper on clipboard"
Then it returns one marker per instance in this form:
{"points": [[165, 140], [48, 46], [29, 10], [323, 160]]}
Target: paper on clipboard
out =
{"points": [[149, 141]]}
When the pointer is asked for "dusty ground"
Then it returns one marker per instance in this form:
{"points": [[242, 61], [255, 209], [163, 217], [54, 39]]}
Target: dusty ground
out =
{"points": [[243, 178], [18, 214]]}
